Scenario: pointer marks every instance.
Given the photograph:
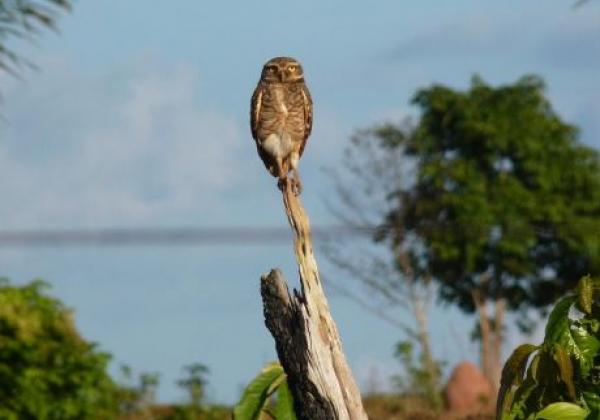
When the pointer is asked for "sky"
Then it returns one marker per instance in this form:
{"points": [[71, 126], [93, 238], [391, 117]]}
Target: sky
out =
{"points": [[138, 117]]}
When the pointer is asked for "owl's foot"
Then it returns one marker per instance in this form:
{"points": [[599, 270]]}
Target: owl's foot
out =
{"points": [[292, 184], [283, 184], [296, 186], [295, 180]]}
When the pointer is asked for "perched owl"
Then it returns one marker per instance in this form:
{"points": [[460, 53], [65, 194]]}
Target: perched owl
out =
{"points": [[281, 118]]}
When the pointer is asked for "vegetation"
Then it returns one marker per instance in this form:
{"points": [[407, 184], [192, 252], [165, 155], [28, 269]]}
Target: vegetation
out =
{"points": [[498, 201], [267, 395], [489, 196], [24, 19], [47, 370], [560, 378], [398, 286], [137, 398], [416, 379], [194, 383]]}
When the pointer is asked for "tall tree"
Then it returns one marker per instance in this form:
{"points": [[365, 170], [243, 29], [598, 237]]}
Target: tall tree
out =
{"points": [[502, 205], [24, 19]]}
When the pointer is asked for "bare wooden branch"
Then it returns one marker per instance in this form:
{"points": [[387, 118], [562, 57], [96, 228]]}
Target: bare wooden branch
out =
{"points": [[307, 339]]}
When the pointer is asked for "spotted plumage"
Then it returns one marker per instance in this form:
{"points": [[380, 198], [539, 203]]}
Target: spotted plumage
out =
{"points": [[281, 118]]}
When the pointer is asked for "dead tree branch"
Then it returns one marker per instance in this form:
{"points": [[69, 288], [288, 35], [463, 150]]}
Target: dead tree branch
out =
{"points": [[307, 340]]}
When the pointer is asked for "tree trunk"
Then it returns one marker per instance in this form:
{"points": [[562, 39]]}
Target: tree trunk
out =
{"points": [[498, 340], [306, 337], [491, 338], [433, 373], [418, 304], [485, 331]]}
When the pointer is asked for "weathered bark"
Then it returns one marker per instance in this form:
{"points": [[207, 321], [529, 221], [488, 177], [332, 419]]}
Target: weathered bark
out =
{"points": [[306, 337]]}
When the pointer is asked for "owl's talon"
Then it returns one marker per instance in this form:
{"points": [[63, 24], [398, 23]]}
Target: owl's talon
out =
{"points": [[282, 184], [296, 186]]}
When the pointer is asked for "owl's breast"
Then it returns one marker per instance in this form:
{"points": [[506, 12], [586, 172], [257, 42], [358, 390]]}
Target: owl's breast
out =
{"points": [[281, 111]]}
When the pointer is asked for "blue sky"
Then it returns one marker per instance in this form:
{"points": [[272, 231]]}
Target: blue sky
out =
{"points": [[139, 118]]}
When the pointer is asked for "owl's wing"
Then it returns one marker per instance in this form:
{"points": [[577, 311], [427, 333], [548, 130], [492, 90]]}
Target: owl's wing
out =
{"points": [[255, 106], [308, 116]]}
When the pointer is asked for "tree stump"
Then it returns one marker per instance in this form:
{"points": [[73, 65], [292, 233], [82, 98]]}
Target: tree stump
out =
{"points": [[307, 340]]}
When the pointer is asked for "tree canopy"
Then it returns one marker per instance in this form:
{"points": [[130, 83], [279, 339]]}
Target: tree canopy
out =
{"points": [[47, 370], [503, 198]]}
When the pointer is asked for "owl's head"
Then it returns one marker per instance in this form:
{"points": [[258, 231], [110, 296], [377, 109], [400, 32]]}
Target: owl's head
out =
{"points": [[282, 70]]}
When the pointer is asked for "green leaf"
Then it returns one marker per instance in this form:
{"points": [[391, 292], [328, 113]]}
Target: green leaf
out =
{"points": [[562, 411], [565, 368], [512, 374], [557, 328], [585, 294], [547, 373], [257, 393], [571, 335], [585, 347], [521, 397], [592, 399], [284, 409]]}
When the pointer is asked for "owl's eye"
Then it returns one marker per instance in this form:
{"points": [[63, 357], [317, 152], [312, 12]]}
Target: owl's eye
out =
{"points": [[271, 69], [292, 68]]}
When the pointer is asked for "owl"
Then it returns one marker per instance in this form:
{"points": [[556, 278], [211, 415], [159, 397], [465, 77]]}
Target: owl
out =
{"points": [[281, 119]]}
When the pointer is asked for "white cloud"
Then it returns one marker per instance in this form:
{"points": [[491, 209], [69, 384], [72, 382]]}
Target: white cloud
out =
{"points": [[133, 147]]}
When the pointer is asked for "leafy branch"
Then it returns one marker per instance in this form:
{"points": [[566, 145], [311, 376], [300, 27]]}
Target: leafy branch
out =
{"points": [[25, 19], [560, 378]]}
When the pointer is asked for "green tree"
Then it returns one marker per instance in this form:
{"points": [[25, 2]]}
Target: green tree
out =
{"points": [[137, 399], [500, 202], [195, 383], [24, 19], [47, 370]]}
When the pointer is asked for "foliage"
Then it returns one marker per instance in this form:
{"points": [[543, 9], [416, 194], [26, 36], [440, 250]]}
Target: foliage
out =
{"points": [[213, 412], [257, 401], [194, 383], [417, 379], [24, 19], [47, 370], [401, 407], [503, 198], [137, 398], [559, 379]]}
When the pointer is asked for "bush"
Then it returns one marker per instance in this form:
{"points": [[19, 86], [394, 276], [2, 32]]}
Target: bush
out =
{"points": [[47, 370], [559, 379]]}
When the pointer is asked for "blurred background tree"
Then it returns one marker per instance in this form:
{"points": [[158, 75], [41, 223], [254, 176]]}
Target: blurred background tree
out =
{"points": [[393, 277], [137, 399], [498, 201], [47, 370], [23, 19], [195, 382]]}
